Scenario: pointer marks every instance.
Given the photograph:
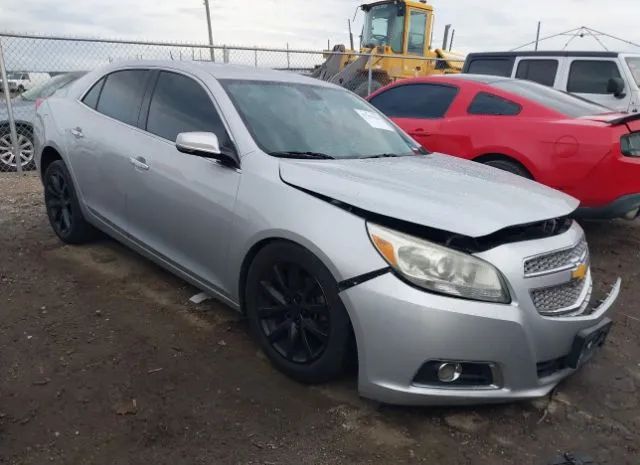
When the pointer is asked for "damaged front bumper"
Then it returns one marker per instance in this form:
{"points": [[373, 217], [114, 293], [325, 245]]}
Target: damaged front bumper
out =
{"points": [[510, 352]]}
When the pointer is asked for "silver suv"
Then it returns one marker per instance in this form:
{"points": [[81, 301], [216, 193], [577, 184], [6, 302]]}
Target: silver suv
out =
{"points": [[299, 204]]}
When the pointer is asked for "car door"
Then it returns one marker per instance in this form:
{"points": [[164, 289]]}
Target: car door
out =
{"points": [[589, 78], [180, 206], [418, 109], [99, 132]]}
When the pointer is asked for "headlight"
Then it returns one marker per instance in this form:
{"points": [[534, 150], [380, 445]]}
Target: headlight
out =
{"points": [[438, 268]]}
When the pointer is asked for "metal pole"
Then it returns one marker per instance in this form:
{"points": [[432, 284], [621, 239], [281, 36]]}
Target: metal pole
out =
{"points": [[370, 77], [12, 122], [453, 34], [288, 57], [255, 56], [350, 34], [446, 36], [211, 50], [538, 35]]}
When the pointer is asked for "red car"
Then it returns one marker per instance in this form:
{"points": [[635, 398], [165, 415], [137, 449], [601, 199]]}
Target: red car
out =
{"points": [[557, 139]]}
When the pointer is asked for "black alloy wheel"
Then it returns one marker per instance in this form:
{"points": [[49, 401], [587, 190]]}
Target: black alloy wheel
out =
{"points": [[58, 201], [62, 206], [293, 313], [293, 305]]}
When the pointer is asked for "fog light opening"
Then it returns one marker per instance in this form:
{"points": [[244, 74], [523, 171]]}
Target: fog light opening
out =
{"points": [[449, 372]]}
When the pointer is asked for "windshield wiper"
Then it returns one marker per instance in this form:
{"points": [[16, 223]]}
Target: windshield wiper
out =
{"points": [[384, 155], [309, 155]]}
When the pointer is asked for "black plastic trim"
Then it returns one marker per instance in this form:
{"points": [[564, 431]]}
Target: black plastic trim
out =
{"points": [[349, 283]]}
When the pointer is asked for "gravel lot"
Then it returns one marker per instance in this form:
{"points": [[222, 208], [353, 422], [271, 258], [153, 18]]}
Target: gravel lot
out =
{"points": [[104, 361]]}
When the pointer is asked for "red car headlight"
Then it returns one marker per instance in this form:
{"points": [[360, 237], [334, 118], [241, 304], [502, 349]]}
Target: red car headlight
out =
{"points": [[630, 144]]}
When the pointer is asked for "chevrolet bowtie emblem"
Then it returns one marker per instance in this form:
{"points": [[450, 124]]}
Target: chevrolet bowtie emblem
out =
{"points": [[580, 272]]}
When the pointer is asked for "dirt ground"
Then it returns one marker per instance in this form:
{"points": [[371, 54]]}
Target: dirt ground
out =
{"points": [[103, 360]]}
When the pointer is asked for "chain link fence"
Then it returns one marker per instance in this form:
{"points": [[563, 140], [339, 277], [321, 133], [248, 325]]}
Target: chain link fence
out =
{"points": [[33, 67]]}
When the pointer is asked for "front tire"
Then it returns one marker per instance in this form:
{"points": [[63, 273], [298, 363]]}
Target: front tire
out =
{"points": [[296, 314], [63, 208]]}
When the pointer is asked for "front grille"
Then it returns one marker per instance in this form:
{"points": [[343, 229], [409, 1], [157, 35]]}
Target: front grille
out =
{"points": [[557, 261], [563, 300]]}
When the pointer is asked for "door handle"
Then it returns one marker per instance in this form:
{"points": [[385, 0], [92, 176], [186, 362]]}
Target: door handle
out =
{"points": [[77, 133], [140, 163]]}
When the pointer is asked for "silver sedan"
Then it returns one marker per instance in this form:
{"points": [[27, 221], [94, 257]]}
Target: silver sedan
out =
{"points": [[299, 204]]}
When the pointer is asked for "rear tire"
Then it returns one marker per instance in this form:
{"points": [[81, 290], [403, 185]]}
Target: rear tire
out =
{"points": [[25, 146], [296, 314], [63, 208], [510, 166]]}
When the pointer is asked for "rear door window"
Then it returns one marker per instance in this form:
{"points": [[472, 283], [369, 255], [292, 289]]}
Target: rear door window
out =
{"points": [[122, 93], [591, 76], [426, 101], [540, 71], [180, 104], [491, 66], [489, 104]]}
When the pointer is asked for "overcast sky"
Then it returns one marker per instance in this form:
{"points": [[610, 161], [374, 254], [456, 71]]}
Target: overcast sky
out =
{"points": [[485, 25]]}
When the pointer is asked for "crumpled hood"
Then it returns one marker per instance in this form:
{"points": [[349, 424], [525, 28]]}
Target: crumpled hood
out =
{"points": [[434, 190]]}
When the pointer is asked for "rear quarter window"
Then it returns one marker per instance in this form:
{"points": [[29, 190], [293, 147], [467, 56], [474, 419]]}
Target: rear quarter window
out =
{"points": [[489, 104]]}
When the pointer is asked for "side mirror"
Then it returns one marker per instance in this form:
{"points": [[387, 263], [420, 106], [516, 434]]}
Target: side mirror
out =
{"points": [[615, 86], [205, 145]]}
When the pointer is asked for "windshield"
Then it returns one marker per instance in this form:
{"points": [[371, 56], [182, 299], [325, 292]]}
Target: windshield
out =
{"points": [[634, 66], [304, 119], [562, 102], [384, 25], [47, 88]]}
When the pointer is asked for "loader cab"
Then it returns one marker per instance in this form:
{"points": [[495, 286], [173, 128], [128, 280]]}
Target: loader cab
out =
{"points": [[398, 27]]}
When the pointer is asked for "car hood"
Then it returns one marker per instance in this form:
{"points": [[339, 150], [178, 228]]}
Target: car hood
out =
{"points": [[433, 190]]}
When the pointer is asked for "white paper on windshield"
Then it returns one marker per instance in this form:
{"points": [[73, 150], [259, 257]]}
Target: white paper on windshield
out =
{"points": [[375, 120]]}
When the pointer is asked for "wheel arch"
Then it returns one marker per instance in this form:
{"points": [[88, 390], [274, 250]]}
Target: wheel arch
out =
{"points": [[261, 243], [49, 155], [520, 161], [244, 271]]}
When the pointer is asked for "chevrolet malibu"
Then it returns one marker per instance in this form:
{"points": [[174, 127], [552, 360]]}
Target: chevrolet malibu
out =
{"points": [[300, 205]]}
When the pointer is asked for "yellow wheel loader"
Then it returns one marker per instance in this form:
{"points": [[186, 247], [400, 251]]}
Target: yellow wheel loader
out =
{"points": [[395, 44]]}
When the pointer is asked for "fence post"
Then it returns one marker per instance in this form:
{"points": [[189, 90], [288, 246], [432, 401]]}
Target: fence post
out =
{"points": [[288, 57], [370, 77], [225, 54], [255, 55], [12, 123]]}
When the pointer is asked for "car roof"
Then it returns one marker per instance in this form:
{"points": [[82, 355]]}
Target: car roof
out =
{"points": [[545, 53], [221, 71]]}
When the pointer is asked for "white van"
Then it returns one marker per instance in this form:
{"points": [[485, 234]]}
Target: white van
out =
{"points": [[611, 79], [20, 81]]}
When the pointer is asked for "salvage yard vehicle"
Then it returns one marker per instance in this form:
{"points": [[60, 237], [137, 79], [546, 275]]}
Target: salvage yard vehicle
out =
{"points": [[19, 81], [555, 138], [399, 35], [299, 204], [611, 79], [24, 111]]}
